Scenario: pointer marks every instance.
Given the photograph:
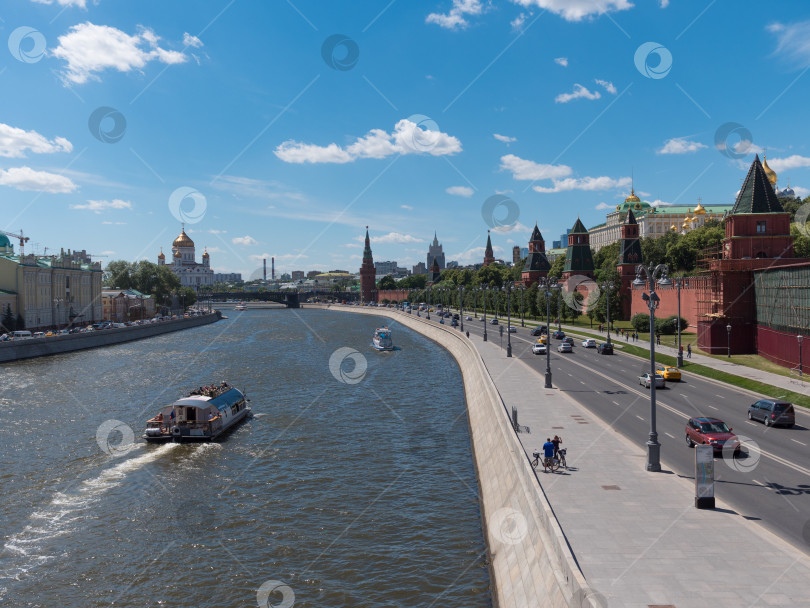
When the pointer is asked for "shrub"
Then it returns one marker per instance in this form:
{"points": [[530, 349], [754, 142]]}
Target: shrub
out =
{"points": [[640, 322]]}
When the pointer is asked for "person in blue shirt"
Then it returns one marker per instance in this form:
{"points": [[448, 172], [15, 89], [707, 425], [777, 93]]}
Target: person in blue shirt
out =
{"points": [[548, 452]]}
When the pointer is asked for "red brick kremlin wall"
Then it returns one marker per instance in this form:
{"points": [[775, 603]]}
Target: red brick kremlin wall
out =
{"points": [[392, 294], [668, 305]]}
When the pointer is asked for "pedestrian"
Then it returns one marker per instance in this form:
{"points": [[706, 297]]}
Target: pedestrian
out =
{"points": [[548, 453], [680, 351], [658, 339], [468, 333], [627, 337], [688, 351], [556, 441]]}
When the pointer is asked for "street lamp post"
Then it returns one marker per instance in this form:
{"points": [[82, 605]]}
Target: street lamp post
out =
{"points": [[678, 283], [607, 286], [547, 286], [427, 314], [484, 296], [508, 288], [522, 290], [651, 273], [461, 306], [728, 330], [800, 338]]}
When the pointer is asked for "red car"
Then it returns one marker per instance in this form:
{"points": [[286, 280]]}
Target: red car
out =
{"points": [[711, 431]]}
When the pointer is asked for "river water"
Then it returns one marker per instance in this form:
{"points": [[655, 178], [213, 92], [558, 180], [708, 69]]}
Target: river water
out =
{"points": [[353, 484]]}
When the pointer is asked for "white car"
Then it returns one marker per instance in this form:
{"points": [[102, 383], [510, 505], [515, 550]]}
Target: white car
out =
{"points": [[468, 318], [645, 381], [589, 343], [539, 349], [512, 329], [565, 347]]}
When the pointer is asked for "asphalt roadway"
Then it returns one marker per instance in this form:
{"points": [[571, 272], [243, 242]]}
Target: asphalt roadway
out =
{"points": [[768, 482]]}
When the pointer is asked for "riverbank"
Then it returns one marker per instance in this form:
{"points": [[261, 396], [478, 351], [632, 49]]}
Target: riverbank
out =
{"points": [[15, 350], [531, 563]]}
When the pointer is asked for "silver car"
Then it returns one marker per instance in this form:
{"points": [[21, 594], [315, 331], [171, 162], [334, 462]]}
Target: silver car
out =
{"points": [[645, 380], [773, 412]]}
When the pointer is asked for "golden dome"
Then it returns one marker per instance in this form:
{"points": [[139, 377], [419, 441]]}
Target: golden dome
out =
{"points": [[699, 210], [673, 228], [618, 207], [685, 223], [161, 256], [183, 240], [205, 254], [768, 171], [632, 198], [177, 254]]}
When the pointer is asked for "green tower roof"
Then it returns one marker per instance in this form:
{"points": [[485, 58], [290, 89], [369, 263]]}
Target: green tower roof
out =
{"points": [[756, 194]]}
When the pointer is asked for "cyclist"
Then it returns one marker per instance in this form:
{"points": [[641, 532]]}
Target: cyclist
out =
{"points": [[556, 441], [548, 453]]}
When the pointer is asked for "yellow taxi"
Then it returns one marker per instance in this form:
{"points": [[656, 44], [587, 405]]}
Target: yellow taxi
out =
{"points": [[542, 339], [670, 373]]}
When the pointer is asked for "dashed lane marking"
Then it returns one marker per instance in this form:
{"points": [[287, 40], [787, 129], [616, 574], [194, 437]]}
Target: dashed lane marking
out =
{"points": [[799, 442], [670, 436], [639, 417]]}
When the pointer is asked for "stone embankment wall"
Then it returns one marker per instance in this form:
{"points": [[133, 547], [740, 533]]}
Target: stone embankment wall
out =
{"points": [[41, 347], [531, 562]]}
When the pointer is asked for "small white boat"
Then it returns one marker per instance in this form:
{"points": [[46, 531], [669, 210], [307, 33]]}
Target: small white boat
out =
{"points": [[240, 306], [202, 416], [382, 339]]}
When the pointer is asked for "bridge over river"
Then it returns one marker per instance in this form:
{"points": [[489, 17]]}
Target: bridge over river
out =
{"points": [[290, 299]]}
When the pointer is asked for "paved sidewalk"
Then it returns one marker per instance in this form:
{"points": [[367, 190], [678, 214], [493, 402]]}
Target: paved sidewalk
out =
{"points": [[637, 536]]}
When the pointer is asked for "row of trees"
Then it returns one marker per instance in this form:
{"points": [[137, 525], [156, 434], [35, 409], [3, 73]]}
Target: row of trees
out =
{"points": [[148, 278]]}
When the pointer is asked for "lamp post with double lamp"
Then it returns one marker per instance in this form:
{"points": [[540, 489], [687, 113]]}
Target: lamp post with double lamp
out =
{"points": [[728, 330], [607, 286], [679, 282], [800, 339], [508, 289], [484, 296], [522, 289], [461, 307], [427, 313], [548, 286], [652, 273]]}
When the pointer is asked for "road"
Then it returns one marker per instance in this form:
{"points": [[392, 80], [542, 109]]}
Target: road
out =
{"points": [[769, 482]]}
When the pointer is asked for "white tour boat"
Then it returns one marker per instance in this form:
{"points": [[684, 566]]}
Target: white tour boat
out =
{"points": [[205, 415], [240, 306], [382, 339]]}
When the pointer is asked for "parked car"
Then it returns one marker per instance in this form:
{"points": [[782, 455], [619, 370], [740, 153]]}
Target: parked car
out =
{"points": [[589, 343], [565, 347], [558, 335], [773, 412], [539, 348], [711, 431], [670, 373], [512, 329], [493, 321], [646, 380], [537, 331], [605, 349]]}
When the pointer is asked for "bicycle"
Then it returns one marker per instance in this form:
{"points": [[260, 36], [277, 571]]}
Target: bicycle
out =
{"points": [[548, 463], [561, 453]]}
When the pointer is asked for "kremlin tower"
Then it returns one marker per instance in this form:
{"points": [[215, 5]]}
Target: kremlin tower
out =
{"points": [[537, 265], [489, 257], [368, 274]]}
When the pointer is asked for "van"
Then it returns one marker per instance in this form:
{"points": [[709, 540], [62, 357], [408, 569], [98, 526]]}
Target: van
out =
{"points": [[17, 335], [773, 412]]}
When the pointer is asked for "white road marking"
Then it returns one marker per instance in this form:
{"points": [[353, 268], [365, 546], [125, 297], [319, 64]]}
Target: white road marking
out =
{"points": [[711, 406], [721, 396], [639, 417], [750, 422], [616, 403], [799, 442], [668, 435]]}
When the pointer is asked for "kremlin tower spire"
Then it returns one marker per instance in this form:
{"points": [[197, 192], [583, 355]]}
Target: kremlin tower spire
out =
{"points": [[368, 274], [489, 257]]}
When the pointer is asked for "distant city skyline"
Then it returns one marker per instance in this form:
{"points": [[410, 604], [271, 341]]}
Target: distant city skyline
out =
{"points": [[281, 130]]}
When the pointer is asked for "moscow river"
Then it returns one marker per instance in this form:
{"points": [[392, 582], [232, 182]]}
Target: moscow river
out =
{"points": [[353, 484]]}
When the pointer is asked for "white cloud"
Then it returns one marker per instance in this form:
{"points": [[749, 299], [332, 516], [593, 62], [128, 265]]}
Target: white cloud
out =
{"points": [[663, 3], [504, 138], [516, 227], [394, 237], [191, 41], [793, 41], [579, 92], [745, 147], [15, 141], [563, 61], [114, 223], [90, 48], [245, 241], [576, 10], [408, 207], [659, 203], [99, 206], [79, 3], [407, 138], [475, 255], [802, 192], [607, 85], [529, 170], [585, 183], [26, 178], [456, 17], [680, 145], [603, 206], [464, 191], [517, 22], [791, 162]]}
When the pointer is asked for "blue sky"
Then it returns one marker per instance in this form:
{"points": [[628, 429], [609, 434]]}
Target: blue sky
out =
{"points": [[283, 128]]}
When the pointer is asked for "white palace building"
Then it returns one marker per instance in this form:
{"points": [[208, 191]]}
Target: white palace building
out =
{"points": [[184, 263]]}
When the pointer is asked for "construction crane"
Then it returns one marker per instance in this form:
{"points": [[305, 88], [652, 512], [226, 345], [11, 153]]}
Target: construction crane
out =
{"points": [[23, 239]]}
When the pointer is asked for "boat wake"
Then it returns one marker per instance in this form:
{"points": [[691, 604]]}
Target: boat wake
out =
{"points": [[31, 548]]}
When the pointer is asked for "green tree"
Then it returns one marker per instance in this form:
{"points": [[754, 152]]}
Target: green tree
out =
{"points": [[8, 319], [19, 325], [387, 282], [801, 241], [415, 281], [188, 295], [557, 267], [117, 275]]}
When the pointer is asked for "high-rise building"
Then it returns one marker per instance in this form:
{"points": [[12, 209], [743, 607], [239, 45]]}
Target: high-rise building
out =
{"points": [[385, 268], [516, 255], [298, 275], [436, 252], [419, 268]]}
